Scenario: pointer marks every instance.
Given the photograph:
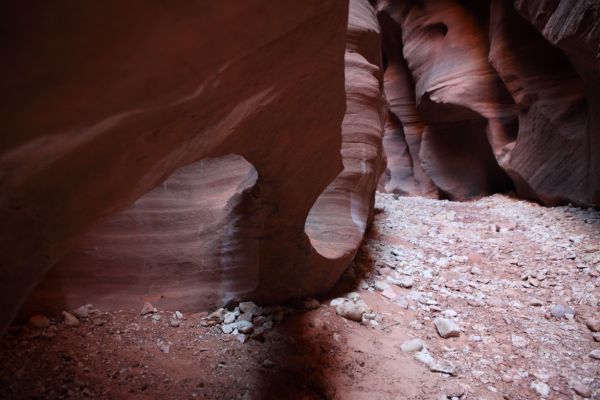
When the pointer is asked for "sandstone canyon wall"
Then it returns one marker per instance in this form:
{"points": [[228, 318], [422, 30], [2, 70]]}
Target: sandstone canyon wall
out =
{"points": [[150, 153], [213, 230], [485, 96], [108, 100]]}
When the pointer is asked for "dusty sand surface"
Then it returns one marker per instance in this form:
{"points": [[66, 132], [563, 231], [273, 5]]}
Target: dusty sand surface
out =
{"points": [[518, 283]]}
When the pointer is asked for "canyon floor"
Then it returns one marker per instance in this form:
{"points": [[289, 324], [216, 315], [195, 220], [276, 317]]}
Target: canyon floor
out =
{"points": [[514, 286]]}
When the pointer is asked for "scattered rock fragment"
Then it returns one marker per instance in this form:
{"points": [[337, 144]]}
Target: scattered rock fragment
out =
{"points": [[406, 282], [380, 286], [229, 317], [450, 313], [541, 388], [518, 341], [536, 303], [267, 363], [389, 293], [214, 318], [559, 311], [446, 328], [454, 390], [424, 357], [595, 354], [164, 347], [310, 304], [82, 312], [581, 389], [350, 310], [147, 308], [250, 307], [69, 319], [593, 324], [412, 345], [39, 321]]}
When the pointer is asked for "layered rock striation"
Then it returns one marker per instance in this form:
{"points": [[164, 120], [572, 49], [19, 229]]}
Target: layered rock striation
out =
{"points": [[487, 96], [273, 220], [108, 102]]}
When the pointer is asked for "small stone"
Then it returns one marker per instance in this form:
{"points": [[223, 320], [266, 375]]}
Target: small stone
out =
{"points": [[442, 263], [69, 319], [97, 322], [541, 388], [216, 317], [351, 311], [245, 326], [475, 271], [336, 302], [412, 345], [229, 318], [402, 302], [494, 302], [596, 336], [250, 307], [536, 303], [241, 338], [407, 282], [165, 348], [175, 323], [389, 293], [178, 315], [228, 328], [147, 308], [595, 354], [518, 341], [454, 390], [156, 317], [380, 286], [310, 304], [442, 367], [247, 316], [581, 389], [352, 296], [593, 324], [424, 357], [82, 312], [559, 311], [450, 313], [39, 321], [268, 363], [447, 328]]}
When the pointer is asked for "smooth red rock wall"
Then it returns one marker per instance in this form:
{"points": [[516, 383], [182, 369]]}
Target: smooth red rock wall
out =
{"points": [[107, 100], [493, 99], [338, 220], [198, 239]]}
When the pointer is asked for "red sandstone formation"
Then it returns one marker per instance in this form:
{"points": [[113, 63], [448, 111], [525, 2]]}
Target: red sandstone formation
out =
{"points": [[338, 220], [556, 157], [492, 98], [195, 240], [107, 101], [149, 153], [404, 126]]}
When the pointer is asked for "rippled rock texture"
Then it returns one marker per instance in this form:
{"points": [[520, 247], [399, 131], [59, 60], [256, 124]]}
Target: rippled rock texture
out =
{"points": [[112, 103], [276, 218], [487, 96]]}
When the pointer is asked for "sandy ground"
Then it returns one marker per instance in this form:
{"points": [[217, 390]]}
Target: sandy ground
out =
{"points": [[519, 281]]}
